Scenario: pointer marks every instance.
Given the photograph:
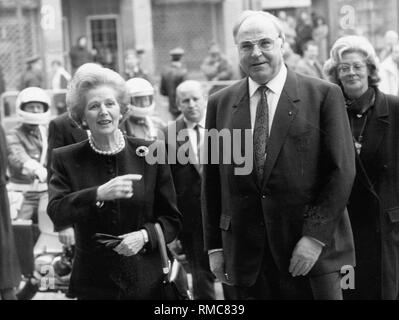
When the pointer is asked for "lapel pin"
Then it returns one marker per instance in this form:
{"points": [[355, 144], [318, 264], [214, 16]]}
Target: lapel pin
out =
{"points": [[142, 151], [290, 113]]}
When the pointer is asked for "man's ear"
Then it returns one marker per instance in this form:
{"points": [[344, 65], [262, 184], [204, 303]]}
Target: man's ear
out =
{"points": [[178, 103]]}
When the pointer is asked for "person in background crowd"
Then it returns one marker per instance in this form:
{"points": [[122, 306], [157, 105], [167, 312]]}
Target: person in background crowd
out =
{"points": [[61, 77], [80, 54], [171, 77], [288, 25], [291, 59], [141, 121], [390, 38], [187, 181], [27, 151], [374, 202], [10, 273], [309, 64], [281, 230], [59, 81], [33, 76], [389, 72], [133, 66], [304, 31], [105, 185], [320, 33], [216, 67]]}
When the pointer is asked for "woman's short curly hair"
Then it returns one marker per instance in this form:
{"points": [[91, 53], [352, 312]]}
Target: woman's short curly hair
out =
{"points": [[90, 76], [350, 44]]}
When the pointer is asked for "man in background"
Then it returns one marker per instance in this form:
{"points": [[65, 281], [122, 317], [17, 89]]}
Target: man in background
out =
{"points": [[187, 179], [309, 65], [33, 76], [171, 77]]}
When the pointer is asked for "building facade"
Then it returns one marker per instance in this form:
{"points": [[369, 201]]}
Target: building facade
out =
{"points": [[50, 28]]}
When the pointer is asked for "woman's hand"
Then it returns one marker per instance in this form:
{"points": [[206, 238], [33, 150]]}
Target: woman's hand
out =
{"points": [[131, 244], [117, 188]]}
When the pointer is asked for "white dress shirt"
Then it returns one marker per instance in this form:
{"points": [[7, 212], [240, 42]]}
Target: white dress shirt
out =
{"points": [[193, 135], [275, 87]]}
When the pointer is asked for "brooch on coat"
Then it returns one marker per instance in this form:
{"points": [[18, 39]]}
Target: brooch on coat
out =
{"points": [[142, 151]]}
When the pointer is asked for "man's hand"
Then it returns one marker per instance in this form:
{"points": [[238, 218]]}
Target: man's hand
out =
{"points": [[304, 256], [67, 236], [41, 173], [216, 264]]}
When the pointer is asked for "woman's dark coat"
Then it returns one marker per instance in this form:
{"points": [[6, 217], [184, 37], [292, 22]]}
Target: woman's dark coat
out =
{"points": [[374, 204], [101, 273]]}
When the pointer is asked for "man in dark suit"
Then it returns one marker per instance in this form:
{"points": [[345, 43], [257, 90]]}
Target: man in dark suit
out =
{"points": [[63, 131], [282, 231], [187, 180]]}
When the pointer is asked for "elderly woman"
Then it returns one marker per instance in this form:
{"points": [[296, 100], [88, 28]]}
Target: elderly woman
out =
{"points": [[374, 202], [104, 185]]}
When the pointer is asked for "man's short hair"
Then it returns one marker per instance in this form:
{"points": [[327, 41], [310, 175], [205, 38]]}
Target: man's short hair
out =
{"points": [[251, 13], [188, 84]]}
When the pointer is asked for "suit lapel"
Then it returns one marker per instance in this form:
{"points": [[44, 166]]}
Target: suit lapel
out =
{"points": [[241, 119], [285, 113]]}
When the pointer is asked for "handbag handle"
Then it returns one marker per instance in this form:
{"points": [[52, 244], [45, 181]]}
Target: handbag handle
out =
{"points": [[162, 248]]}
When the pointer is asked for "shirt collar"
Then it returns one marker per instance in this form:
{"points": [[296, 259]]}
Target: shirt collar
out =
{"points": [[275, 85], [191, 125]]}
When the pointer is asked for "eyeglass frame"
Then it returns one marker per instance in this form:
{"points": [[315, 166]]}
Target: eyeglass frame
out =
{"points": [[256, 42], [356, 68]]}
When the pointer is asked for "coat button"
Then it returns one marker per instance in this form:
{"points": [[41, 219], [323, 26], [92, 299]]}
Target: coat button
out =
{"points": [[263, 196]]}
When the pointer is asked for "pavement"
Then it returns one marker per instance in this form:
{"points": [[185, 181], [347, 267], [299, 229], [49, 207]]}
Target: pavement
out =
{"points": [[61, 296]]}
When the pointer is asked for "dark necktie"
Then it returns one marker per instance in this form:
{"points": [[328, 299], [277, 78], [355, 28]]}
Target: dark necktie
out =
{"points": [[196, 129], [261, 133]]}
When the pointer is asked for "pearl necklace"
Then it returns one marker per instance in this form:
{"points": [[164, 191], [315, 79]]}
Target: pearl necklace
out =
{"points": [[119, 147]]}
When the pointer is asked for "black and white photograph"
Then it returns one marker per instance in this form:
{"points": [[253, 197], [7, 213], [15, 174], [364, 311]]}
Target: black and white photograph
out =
{"points": [[199, 154]]}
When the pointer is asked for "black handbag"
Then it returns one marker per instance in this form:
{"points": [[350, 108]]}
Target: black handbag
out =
{"points": [[175, 282]]}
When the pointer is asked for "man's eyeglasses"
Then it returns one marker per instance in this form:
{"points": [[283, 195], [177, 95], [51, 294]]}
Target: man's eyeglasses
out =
{"points": [[346, 68], [265, 44]]}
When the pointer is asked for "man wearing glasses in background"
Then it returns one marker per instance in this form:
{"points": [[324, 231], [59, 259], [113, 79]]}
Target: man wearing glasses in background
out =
{"points": [[281, 232]]}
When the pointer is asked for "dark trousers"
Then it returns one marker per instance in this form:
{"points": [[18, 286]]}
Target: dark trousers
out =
{"points": [[203, 279], [271, 284]]}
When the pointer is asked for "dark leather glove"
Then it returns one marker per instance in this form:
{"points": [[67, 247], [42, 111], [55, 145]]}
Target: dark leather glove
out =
{"points": [[107, 241]]}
